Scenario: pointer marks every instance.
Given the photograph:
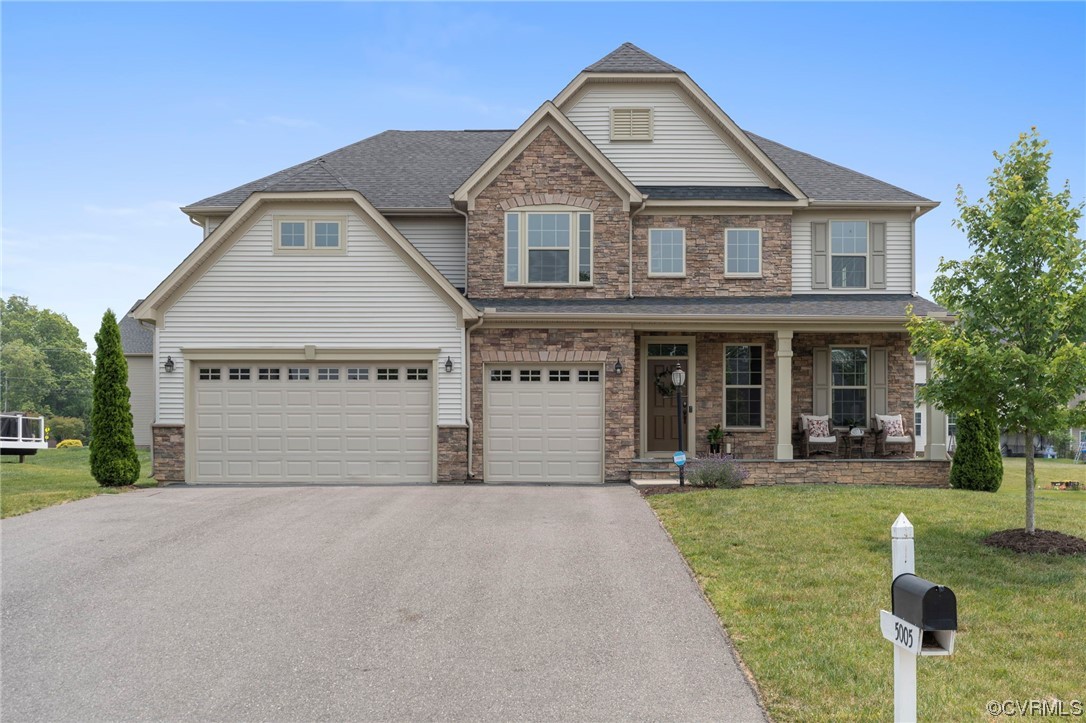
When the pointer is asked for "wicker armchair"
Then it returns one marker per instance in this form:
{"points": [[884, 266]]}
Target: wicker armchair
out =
{"points": [[809, 445], [887, 445]]}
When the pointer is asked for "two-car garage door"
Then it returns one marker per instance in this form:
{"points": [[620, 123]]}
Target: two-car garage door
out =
{"points": [[313, 422]]}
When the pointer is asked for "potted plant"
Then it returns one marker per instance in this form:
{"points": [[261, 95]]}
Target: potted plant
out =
{"points": [[716, 434]]}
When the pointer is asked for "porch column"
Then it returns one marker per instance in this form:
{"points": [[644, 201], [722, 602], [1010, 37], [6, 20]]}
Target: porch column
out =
{"points": [[935, 447], [784, 395]]}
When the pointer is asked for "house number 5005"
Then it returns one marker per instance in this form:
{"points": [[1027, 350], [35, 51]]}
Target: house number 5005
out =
{"points": [[903, 635]]}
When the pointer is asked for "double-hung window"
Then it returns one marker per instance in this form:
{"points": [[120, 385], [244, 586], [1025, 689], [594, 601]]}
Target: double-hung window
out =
{"points": [[848, 386], [310, 234], [743, 252], [548, 248], [848, 254], [743, 385], [667, 252]]}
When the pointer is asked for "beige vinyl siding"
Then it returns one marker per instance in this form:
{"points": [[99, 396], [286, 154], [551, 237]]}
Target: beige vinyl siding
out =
{"points": [[141, 383], [684, 149], [440, 240], [899, 250], [366, 298], [211, 224]]}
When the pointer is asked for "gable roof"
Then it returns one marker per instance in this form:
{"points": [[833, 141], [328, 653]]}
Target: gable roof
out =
{"points": [[136, 339], [628, 58]]}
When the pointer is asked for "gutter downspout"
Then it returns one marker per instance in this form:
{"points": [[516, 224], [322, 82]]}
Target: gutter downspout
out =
{"points": [[912, 246], [629, 257], [467, 352]]}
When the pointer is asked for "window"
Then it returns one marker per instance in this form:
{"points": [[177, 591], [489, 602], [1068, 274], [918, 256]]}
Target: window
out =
{"points": [[239, 374], [918, 423], [952, 425], [631, 124], [210, 374], [358, 374], [327, 374], [298, 374], [558, 375], [743, 252], [531, 375], [848, 254], [848, 386], [501, 375], [657, 350], [743, 389], [667, 252], [548, 248], [267, 374], [588, 375], [387, 375], [417, 375], [301, 234]]}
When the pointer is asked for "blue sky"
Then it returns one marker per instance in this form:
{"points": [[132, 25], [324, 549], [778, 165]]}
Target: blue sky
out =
{"points": [[114, 115]]}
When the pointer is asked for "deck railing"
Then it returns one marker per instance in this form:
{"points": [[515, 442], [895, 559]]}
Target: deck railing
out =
{"points": [[19, 432]]}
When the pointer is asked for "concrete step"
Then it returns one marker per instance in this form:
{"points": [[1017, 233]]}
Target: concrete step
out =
{"points": [[654, 482]]}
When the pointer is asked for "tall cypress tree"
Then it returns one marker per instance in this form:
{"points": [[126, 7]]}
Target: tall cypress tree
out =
{"points": [[978, 465], [113, 457]]}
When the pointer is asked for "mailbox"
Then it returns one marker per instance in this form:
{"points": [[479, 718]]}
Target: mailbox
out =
{"points": [[930, 607]]}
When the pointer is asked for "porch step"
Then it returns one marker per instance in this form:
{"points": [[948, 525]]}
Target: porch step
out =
{"points": [[653, 469], [662, 482]]}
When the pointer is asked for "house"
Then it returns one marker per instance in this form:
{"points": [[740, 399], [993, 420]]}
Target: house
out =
{"points": [[508, 305], [137, 342]]}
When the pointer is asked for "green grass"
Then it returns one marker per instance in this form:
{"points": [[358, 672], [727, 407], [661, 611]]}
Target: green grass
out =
{"points": [[52, 477], [798, 574]]}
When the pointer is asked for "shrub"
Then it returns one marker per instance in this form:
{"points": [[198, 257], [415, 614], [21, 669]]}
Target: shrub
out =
{"points": [[716, 470], [113, 458], [977, 465], [66, 428], [69, 444]]}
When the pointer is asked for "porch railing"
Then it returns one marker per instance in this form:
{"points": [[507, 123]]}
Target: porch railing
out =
{"points": [[20, 433]]}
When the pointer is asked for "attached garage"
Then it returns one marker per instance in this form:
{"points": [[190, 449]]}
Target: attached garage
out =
{"points": [[312, 422], [543, 423]]}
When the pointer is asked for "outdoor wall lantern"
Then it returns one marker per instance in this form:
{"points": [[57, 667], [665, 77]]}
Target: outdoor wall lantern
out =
{"points": [[169, 365], [449, 365], [618, 367]]}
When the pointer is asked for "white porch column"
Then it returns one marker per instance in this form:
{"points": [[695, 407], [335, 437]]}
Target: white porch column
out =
{"points": [[935, 447], [784, 395]]}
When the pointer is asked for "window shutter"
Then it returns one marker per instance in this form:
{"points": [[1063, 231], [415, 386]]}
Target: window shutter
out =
{"points": [[821, 381], [878, 255], [819, 256], [880, 381]]}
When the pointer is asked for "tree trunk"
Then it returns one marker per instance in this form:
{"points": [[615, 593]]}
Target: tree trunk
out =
{"points": [[1030, 524]]}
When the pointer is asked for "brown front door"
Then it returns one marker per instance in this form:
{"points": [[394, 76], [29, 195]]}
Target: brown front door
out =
{"points": [[662, 428]]}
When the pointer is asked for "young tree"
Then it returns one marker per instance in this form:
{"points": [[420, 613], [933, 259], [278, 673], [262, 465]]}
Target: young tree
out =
{"points": [[977, 465], [1018, 349], [113, 457]]}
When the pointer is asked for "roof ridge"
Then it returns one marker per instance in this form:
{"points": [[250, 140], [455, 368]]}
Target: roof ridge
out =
{"points": [[615, 59]]}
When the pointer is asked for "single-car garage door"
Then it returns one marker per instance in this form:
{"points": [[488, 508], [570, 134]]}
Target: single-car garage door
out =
{"points": [[313, 422], [544, 423]]}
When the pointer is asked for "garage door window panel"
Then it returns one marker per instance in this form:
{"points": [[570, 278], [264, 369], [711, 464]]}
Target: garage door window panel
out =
{"points": [[239, 374], [358, 374], [268, 374], [328, 374], [210, 374], [298, 374], [388, 374], [417, 374]]}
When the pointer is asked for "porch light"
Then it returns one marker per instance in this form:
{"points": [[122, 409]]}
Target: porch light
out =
{"points": [[169, 365], [618, 368], [678, 377], [448, 365]]}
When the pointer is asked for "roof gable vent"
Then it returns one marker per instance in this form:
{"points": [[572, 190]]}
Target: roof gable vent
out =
{"points": [[631, 124]]}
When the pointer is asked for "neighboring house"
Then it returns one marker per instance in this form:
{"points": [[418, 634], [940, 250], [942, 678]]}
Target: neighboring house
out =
{"points": [[508, 305], [1013, 444], [137, 341]]}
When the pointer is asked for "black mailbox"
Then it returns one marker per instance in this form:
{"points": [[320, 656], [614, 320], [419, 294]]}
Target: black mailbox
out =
{"points": [[926, 605]]}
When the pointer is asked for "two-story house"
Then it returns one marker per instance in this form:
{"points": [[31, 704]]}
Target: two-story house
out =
{"points": [[508, 306]]}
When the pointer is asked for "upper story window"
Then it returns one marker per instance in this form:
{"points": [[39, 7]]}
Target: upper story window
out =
{"points": [[743, 252], [667, 252], [310, 234], [548, 248], [631, 124], [848, 254]]}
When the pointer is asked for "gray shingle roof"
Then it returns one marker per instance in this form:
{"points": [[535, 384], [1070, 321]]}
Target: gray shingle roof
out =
{"points": [[135, 338], [394, 169], [715, 193], [628, 58], [827, 181], [851, 306]]}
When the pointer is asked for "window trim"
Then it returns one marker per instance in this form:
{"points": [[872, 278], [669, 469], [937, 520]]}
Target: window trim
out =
{"points": [[866, 387], [666, 274], [761, 252], [830, 254], [631, 138], [310, 246], [724, 386], [574, 212]]}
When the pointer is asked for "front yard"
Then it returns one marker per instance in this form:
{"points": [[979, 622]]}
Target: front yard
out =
{"points": [[798, 575], [53, 476]]}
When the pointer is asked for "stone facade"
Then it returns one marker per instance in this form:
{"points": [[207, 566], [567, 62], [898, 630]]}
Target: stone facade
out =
{"points": [[705, 256], [913, 473], [541, 345], [452, 454], [548, 172], [168, 443]]}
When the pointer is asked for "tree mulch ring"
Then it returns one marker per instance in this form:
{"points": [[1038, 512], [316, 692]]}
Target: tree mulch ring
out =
{"points": [[1040, 542], [667, 490]]}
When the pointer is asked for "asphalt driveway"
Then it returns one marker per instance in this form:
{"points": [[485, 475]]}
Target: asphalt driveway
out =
{"points": [[358, 603]]}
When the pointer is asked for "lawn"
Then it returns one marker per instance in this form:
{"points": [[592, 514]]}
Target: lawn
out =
{"points": [[798, 574], [54, 476]]}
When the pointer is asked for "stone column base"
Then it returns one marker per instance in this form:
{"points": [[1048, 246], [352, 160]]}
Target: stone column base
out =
{"points": [[168, 452]]}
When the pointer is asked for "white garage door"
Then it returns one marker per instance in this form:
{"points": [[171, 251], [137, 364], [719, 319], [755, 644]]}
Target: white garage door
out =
{"points": [[313, 422], [544, 423]]}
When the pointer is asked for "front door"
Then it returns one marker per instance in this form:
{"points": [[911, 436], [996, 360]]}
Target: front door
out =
{"points": [[661, 398]]}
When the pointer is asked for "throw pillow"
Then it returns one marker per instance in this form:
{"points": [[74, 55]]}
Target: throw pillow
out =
{"points": [[818, 426], [894, 426]]}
